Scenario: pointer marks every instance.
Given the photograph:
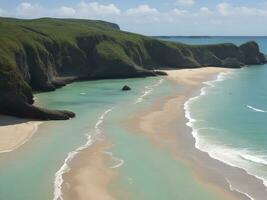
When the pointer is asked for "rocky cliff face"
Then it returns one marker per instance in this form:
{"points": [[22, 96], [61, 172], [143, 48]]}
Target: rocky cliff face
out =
{"points": [[45, 54]]}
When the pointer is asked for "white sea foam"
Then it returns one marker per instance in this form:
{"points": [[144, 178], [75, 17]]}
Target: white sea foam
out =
{"points": [[65, 167], [259, 159], [256, 109], [148, 90], [119, 162], [236, 190], [233, 157], [82, 93]]}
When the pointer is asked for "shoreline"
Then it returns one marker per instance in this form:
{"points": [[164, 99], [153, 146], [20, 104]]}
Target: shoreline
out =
{"points": [[216, 175], [91, 163], [89, 170], [15, 132], [164, 116]]}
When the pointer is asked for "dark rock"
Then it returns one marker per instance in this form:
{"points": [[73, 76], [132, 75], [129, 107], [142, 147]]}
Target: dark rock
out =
{"points": [[25, 110], [59, 83], [232, 63], [252, 54], [126, 88], [160, 73]]}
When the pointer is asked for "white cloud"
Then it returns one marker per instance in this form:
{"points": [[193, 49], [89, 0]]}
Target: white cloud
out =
{"points": [[143, 13], [185, 2], [179, 12], [2, 12], [91, 10], [26, 9], [65, 11], [142, 10], [226, 9], [94, 10], [206, 10]]}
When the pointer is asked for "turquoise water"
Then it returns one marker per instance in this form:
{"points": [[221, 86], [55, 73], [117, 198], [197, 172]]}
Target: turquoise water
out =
{"points": [[37, 162], [229, 118], [146, 172]]}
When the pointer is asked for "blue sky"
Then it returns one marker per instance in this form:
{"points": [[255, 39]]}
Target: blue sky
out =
{"points": [[157, 17]]}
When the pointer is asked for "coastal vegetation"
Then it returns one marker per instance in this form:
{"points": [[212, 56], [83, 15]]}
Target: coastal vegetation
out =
{"points": [[45, 54]]}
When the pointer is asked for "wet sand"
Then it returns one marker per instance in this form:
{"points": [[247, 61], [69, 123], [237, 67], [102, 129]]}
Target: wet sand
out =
{"points": [[90, 175], [165, 125]]}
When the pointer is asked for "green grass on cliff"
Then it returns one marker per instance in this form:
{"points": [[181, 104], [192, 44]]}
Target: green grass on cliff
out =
{"points": [[15, 34], [33, 52]]}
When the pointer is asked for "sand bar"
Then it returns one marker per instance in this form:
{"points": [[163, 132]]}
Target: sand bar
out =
{"points": [[15, 132], [90, 175], [165, 125]]}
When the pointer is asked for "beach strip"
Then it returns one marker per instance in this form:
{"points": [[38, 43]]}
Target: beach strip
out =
{"points": [[14, 132], [89, 176], [165, 125]]}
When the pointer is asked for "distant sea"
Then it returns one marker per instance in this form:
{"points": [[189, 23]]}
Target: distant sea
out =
{"points": [[198, 40]]}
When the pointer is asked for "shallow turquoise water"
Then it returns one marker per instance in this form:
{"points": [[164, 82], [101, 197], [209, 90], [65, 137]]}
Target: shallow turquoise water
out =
{"points": [[232, 117], [37, 161], [147, 172], [231, 113]]}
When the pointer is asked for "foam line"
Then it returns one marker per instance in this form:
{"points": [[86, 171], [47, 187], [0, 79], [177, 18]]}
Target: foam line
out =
{"points": [[256, 109], [215, 151], [148, 90], [236, 190], [119, 161], [58, 195], [254, 158]]}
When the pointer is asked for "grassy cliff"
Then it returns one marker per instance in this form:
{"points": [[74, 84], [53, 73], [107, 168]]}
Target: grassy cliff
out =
{"points": [[44, 54]]}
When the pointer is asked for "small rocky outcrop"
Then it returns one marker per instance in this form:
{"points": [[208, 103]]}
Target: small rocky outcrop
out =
{"points": [[160, 73], [126, 88], [26, 110], [252, 54]]}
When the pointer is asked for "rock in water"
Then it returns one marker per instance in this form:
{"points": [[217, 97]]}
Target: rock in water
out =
{"points": [[126, 88]]}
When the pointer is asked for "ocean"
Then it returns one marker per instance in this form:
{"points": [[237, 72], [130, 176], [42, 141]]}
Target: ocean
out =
{"points": [[228, 119]]}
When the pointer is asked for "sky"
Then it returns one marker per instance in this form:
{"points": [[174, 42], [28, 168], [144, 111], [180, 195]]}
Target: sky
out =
{"points": [[154, 17]]}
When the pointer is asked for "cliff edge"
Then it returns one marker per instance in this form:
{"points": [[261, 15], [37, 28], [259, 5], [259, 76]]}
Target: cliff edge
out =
{"points": [[45, 54]]}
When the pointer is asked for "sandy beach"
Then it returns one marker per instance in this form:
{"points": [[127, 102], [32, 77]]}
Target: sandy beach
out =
{"points": [[91, 172], [14, 132], [90, 175], [165, 125]]}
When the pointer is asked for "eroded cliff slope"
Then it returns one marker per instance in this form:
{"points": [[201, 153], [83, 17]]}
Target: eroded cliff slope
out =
{"points": [[45, 54]]}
